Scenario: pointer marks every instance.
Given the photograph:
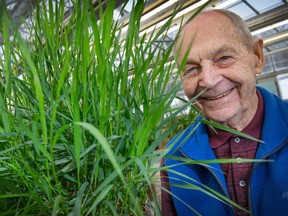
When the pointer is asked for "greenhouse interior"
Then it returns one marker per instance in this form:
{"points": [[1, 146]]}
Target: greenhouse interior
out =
{"points": [[91, 94]]}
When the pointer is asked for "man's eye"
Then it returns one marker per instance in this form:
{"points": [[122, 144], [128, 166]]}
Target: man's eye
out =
{"points": [[224, 58], [189, 71]]}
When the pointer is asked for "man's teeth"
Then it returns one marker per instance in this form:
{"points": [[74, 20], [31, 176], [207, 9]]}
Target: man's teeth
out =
{"points": [[219, 96]]}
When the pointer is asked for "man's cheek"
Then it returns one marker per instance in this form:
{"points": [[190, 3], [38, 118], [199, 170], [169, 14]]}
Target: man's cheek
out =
{"points": [[189, 93]]}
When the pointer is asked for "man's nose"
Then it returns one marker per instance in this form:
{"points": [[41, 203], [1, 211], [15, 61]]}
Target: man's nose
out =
{"points": [[209, 76]]}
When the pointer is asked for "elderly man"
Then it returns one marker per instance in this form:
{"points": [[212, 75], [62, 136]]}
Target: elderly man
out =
{"points": [[221, 62]]}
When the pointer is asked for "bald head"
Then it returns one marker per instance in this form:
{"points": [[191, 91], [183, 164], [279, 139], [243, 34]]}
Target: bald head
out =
{"points": [[224, 20]]}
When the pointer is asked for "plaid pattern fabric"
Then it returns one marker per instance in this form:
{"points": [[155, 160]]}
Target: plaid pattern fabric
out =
{"points": [[237, 174], [167, 206]]}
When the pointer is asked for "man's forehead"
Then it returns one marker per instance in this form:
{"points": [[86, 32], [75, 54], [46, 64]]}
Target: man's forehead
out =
{"points": [[213, 21], [207, 18]]}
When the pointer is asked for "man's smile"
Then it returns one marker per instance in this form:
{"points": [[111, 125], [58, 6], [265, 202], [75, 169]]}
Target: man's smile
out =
{"points": [[218, 96]]}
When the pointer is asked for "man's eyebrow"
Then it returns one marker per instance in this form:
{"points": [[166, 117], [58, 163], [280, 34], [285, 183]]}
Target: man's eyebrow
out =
{"points": [[223, 49], [191, 61]]}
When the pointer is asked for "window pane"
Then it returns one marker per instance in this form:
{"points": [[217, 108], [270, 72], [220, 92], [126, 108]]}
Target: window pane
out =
{"points": [[283, 85], [270, 86], [268, 65], [264, 5], [243, 11], [280, 61]]}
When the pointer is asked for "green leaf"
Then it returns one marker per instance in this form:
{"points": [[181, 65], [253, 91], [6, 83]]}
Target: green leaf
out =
{"points": [[78, 201], [105, 145], [225, 128]]}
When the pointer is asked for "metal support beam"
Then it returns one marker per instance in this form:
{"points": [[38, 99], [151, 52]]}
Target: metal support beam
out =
{"points": [[268, 18]]}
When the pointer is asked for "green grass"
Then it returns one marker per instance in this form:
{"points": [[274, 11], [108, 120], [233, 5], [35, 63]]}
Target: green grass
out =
{"points": [[80, 126]]}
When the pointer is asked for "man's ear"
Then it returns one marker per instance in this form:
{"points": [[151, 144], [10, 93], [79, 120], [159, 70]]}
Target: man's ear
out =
{"points": [[259, 55]]}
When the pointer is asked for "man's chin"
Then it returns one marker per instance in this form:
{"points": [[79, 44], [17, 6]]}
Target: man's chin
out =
{"points": [[218, 117]]}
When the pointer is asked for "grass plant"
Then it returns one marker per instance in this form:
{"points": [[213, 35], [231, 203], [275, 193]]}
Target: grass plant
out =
{"points": [[82, 112]]}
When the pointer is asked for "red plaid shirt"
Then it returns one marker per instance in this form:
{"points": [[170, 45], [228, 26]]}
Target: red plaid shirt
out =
{"points": [[227, 145]]}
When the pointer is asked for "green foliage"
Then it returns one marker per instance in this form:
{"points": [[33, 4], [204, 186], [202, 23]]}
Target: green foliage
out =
{"points": [[80, 125]]}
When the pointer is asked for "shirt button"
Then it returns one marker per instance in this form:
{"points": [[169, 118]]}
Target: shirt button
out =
{"points": [[242, 183], [237, 139], [239, 160]]}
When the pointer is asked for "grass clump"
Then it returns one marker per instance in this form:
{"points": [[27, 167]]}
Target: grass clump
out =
{"points": [[82, 112]]}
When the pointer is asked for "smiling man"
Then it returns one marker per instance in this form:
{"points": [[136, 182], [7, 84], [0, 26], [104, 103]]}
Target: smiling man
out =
{"points": [[221, 62]]}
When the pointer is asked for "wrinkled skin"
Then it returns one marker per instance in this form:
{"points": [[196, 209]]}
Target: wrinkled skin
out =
{"points": [[219, 63]]}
